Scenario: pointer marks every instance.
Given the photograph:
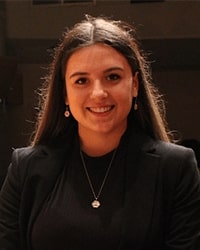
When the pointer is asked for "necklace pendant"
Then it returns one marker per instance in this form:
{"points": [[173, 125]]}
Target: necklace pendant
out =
{"points": [[96, 204]]}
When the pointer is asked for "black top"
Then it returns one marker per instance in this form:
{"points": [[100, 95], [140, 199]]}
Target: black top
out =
{"points": [[67, 219]]}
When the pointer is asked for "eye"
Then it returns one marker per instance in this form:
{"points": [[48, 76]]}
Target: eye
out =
{"points": [[113, 77], [81, 81]]}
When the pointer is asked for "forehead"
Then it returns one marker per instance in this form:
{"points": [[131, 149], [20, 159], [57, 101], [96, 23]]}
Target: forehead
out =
{"points": [[96, 56]]}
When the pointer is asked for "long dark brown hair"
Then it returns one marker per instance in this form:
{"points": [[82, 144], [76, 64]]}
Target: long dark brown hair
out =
{"points": [[51, 122]]}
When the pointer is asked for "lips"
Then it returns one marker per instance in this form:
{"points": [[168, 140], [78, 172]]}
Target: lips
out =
{"points": [[100, 109]]}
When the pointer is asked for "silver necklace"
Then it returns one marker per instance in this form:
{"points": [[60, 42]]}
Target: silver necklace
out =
{"points": [[96, 203]]}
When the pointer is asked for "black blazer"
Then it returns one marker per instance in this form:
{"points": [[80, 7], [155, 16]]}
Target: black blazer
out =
{"points": [[162, 210]]}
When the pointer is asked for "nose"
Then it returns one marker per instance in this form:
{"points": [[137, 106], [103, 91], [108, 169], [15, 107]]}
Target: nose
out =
{"points": [[98, 90]]}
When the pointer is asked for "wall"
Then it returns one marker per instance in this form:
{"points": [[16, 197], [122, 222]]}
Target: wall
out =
{"points": [[16, 120], [180, 89], [167, 19]]}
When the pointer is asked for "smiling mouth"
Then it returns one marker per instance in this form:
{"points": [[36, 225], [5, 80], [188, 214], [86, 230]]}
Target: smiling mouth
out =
{"points": [[100, 109]]}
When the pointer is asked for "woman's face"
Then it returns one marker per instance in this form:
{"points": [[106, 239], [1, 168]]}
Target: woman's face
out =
{"points": [[100, 87]]}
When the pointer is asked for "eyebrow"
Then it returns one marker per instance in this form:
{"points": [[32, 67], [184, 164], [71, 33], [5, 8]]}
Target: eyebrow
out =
{"points": [[79, 73], [113, 68]]}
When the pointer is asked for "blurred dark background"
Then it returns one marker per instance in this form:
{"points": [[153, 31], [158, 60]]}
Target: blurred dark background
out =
{"points": [[169, 31]]}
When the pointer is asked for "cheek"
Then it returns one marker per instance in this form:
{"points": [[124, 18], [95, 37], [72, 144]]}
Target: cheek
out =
{"points": [[126, 93], [70, 95], [126, 99], [66, 93], [75, 101], [74, 106]]}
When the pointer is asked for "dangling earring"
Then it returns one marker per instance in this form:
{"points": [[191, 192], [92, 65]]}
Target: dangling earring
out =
{"points": [[135, 106], [67, 113]]}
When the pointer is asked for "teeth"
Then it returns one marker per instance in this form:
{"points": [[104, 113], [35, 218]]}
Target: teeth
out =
{"points": [[100, 109]]}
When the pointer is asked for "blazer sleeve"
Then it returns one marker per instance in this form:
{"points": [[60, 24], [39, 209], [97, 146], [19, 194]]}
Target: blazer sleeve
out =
{"points": [[9, 208], [184, 216]]}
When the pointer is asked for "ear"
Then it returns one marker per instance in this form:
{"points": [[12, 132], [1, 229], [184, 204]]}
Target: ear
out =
{"points": [[135, 86]]}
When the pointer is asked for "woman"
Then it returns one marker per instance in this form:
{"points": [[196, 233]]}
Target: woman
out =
{"points": [[100, 172]]}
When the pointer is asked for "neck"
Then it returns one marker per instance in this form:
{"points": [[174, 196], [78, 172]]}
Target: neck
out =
{"points": [[97, 144]]}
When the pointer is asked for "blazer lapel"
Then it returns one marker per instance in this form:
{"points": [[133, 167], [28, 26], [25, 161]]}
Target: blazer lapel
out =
{"points": [[50, 164], [142, 170]]}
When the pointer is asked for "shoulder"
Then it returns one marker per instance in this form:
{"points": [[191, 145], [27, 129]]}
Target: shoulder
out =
{"points": [[173, 154], [166, 153], [21, 156], [39, 161], [24, 154], [29, 152], [172, 158], [171, 149], [159, 148], [23, 160], [177, 162]]}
